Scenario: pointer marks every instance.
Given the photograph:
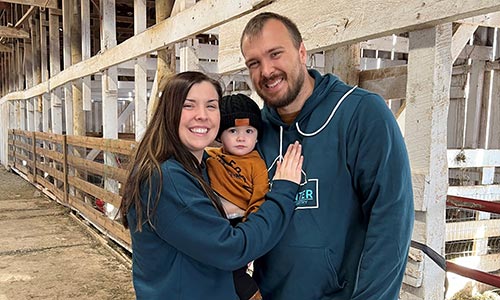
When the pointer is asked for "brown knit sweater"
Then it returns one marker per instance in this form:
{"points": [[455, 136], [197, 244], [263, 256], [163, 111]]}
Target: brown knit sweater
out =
{"points": [[242, 180]]}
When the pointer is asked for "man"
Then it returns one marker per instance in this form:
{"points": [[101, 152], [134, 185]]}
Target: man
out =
{"points": [[350, 235]]}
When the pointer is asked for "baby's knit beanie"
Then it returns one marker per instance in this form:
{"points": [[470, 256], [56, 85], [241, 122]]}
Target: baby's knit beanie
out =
{"points": [[239, 110]]}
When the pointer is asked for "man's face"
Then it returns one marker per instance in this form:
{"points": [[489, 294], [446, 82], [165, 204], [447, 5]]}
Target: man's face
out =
{"points": [[276, 66]]}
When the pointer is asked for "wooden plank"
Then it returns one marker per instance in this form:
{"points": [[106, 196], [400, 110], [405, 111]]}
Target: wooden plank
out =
{"points": [[50, 137], [57, 156], [206, 14], [98, 168], [488, 20], [52, 172], [473, 158], [476, 52], [456, 116], [460, 38], [24, 133], [39, 3], [336, 23], [117, 146], [95, 191], [6, 48], [11, 32], [388, 82], [24, 146], [50, 186], [388, 43], [457, 231], [107, 225]]}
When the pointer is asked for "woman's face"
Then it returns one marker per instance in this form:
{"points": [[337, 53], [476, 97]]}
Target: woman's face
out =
{"points": [[200, 118]]}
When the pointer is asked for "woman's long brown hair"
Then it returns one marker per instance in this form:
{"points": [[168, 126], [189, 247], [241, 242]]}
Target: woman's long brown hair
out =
{"points": [[160, 142]]}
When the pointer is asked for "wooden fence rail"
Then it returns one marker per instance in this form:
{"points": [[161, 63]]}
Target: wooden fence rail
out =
{"points": [[83, 173]]}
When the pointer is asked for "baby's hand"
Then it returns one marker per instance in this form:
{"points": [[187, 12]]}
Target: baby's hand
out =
{"points": [[291, 166]]}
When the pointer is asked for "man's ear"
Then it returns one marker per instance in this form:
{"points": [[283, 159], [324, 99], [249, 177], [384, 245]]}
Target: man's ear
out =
{"points": [[303, 53]]}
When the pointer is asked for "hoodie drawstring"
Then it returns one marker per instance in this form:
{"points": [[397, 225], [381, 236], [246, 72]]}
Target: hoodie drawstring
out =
{"points": [[329, 118], [280, 154]]}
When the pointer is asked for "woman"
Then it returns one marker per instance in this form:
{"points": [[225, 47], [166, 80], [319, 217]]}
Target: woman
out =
{"points": [[183, 246]]}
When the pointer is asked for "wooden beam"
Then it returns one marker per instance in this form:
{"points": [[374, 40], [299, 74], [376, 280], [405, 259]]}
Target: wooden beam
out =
{"points": [[473, 158], [460, 38], [340, 24], [11, 32], [388, 43], [5, 48], [167, 32], [39, 3], [488, 20]]}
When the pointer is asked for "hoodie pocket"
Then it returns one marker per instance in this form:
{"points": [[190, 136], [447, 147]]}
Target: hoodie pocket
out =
{"points": [[301, 273], [336, 283]]}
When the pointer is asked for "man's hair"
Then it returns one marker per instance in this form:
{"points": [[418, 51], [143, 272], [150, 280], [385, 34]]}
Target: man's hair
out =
{"points": [[255, 25]]}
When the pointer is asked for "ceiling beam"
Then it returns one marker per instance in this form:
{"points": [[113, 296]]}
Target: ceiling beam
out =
{"points": [[204, 15], [337, 23], [39, 3], [488, 20]]}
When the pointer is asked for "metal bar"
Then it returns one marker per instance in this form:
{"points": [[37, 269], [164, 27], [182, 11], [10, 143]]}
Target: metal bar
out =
{"points": [[477, 275], [475, 204]]}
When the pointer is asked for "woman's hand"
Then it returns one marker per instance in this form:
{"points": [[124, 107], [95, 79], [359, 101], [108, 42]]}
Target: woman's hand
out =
{"points": [[291, 166]]}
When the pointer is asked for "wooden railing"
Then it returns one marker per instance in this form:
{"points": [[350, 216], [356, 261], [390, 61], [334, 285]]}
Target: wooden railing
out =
{"points": [[83, 173]]}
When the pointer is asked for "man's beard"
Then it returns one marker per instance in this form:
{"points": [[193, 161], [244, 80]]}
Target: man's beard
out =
{"points": [[294, 89]]}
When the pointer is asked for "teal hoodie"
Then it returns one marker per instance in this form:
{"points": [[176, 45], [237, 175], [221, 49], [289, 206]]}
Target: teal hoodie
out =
{"points": [[350, 235], [191, 251]]}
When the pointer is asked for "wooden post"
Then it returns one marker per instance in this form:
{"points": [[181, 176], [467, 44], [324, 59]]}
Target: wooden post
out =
{"points": [[55, 67], [492, 139], [37, 75], [427, 101], [344, 62], [85, 33], [165, 58], [44, 71], [140, 74], [65, 168], [109, 95], [22, 115], [28, 69], [68, 95], [14, 146], [33, 149], [76, 57], [188, 58]]}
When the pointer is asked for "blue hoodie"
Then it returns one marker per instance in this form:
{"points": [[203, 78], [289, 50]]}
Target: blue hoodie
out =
{"points": [[350, 235], [191, 251]]}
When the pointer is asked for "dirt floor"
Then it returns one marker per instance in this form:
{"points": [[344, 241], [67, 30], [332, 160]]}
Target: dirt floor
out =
{"points": [[46, 253]]}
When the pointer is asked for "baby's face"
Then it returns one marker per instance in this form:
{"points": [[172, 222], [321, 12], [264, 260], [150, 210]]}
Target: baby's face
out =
{"points": [[239, 140]]}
